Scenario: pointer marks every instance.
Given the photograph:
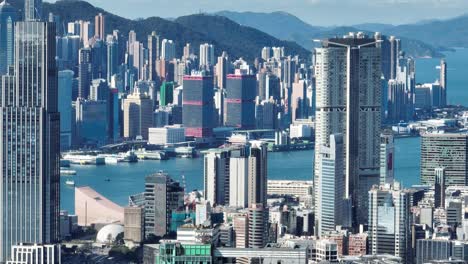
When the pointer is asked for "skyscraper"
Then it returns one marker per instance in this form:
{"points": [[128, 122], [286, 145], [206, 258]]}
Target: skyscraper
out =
{"points": [[222, 70], [216, 175], [162, 195], [257, 179], [167, 50], [8, 17], [198, 105], [100, 26], [389, 221], [32, 10], [443, 81], [395, 48], [137, 115], [448, 151], [207, 58], [153, 54], [330, 186], [439, 188], [30, 138], [65, 86], [112, 57], [387, 158], [240, 100], [84, 73], [348, 80]]}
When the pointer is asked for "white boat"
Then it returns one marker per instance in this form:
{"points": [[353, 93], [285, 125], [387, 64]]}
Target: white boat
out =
{"points": [[67, 172], [70, 182], [151, 155], [84, 159]]}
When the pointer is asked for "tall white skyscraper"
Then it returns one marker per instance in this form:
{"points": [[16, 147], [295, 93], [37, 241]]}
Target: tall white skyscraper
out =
{"points": [[389, 221], [330, 186], [167, 50], [30, 139], [348, 87], [238, 182], [207, 58]]}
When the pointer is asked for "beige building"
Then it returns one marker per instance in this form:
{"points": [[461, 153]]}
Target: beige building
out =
{"points": [[93, 208], [134, 223], [137, 115]]}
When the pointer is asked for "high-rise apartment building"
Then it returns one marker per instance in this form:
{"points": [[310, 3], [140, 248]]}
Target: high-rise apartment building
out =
{"points": [[198, 105], [30, 189], [266, 53], [330, 186], [348, 83], [137, 115], [8, 17], [448, 151], [167, 50], [257, 173], [389, 221], [222, 68], [207, 58], [100, 26], [240, 100], [112, 57]]}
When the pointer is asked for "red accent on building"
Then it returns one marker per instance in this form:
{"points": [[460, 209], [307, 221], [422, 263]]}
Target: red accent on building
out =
{"points": [[195, 78], [198, 132], [199, 103], [239, 77]]}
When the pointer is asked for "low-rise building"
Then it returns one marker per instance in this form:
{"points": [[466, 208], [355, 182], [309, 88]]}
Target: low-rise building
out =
{"points": [[166, 135]]}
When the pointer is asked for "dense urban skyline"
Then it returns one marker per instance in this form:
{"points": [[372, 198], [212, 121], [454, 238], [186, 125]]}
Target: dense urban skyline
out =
{"points": [[314, 12]]}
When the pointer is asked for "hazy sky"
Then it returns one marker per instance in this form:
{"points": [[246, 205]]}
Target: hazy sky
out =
{"points": [[316, 12]]}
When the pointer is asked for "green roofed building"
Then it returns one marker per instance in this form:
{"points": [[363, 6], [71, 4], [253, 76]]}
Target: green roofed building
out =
{"points": [[175, 252], [166, 93]]}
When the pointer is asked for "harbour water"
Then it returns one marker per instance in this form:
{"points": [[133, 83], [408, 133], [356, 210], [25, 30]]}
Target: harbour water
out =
{"points": [[128, 178]]}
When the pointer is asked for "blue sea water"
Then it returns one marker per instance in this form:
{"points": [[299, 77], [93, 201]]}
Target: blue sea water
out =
{"points": [[127, 179]]}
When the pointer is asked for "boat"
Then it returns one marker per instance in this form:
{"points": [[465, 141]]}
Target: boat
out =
{"points": [[128, 156], [151, 155], [84, 159], [67, 172], [70, 182], [107, 180]]}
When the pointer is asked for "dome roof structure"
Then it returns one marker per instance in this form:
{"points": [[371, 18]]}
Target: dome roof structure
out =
{"points": [[109, 233]]}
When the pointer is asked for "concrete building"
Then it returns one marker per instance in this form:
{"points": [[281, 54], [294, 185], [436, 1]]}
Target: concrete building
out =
{"points": [[29, 158], [389, 221], [137, 115], [432, 250], [293, 188], [241, 230], [93, 208], [330, 207], [238, 182], [162, 196], [357, 244], [448, 151], [166, 135], [35, 253], [439, 188], [257, 225], [134, 224], [350, 105], [443, 82], [217, 175]]}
